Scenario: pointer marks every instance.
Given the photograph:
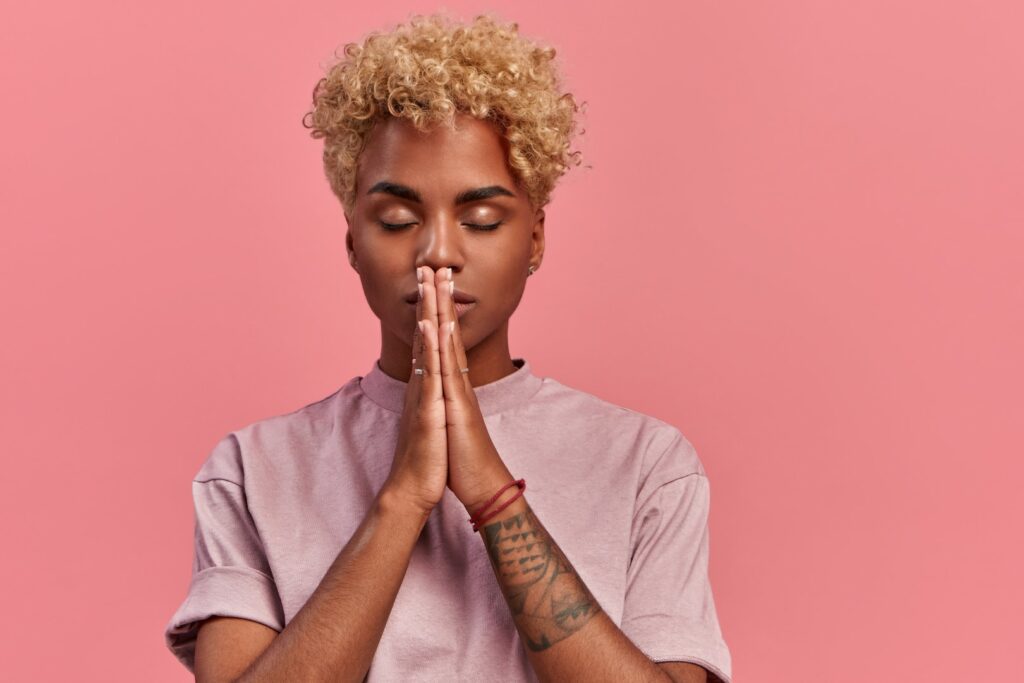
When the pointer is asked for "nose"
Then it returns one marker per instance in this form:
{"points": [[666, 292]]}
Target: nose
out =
{"points": [[440, 244]]}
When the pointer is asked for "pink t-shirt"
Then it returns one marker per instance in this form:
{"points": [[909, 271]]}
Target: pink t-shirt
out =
{"points": [[623, 494]]}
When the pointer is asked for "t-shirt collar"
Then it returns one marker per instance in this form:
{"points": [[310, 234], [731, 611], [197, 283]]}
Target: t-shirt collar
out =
{"points": [[493, 397]]}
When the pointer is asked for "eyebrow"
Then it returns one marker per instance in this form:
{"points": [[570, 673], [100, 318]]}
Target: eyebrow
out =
{"points": [[464, 197]]}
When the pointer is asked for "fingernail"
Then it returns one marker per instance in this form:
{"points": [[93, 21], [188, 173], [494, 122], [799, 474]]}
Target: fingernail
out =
{"points": [[451, 286], [419, 274], [420, 287], [449, 275], [451, 326]]}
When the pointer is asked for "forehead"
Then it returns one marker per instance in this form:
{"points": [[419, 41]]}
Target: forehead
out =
{"points": [[441, 161]]}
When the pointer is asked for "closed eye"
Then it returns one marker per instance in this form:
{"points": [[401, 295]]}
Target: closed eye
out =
{"points": [[475, 226], [490, 226], [394, 226]]}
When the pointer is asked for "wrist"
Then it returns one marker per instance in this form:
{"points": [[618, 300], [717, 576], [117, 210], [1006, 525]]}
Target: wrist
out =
{"points": [[501, 499], [391, 500]]}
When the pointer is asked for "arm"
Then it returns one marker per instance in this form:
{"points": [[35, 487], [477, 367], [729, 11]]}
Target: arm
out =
{"points": [[566, 633], [335, 634]]}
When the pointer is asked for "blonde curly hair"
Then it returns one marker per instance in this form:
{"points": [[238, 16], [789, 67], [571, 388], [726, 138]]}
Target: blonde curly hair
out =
{"points": [[431, 68]]}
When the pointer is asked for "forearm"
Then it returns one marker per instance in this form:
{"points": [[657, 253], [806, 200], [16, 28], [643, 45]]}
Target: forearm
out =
{"points": [[335, 634], [566, 633]]}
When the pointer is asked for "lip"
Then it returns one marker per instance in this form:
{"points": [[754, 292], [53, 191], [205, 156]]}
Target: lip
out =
{"points": [[459, 296], [460, 308]]}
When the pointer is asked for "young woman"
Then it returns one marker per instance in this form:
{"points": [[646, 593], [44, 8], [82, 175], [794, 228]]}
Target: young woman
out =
{"points": [[385, 532]]}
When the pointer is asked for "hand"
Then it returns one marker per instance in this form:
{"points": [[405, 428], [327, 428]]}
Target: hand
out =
{"points": [[420, 467], [475, 469]]}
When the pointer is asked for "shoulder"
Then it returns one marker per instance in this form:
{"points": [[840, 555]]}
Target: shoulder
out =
{"points": [[656, 442], [282, 435], [301, 423]]}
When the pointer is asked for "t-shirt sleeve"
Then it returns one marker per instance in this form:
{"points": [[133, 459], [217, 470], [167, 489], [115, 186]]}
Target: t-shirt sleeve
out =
{"points": [[230, 573], [669, 609]]}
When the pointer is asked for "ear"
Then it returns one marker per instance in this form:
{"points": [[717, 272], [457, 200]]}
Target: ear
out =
{"points": [[537, 246], [350, 248]]}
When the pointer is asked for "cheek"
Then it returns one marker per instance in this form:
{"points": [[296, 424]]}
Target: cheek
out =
{"points": [[500, 268], [378, 286], [505, 294]]}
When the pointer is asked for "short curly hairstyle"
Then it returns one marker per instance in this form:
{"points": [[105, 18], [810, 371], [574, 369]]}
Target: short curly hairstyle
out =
{"points": [[431, 68]]}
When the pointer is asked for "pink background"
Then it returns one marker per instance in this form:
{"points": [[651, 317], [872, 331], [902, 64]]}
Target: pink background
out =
{"points": [[800, 242]]}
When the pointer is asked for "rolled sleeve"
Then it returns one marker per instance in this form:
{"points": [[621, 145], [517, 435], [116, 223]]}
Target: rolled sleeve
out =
{"points": [[230, 573], [669, 610]]}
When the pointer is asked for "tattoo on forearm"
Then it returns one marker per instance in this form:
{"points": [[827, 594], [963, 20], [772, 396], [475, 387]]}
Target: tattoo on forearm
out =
{"points": [[549, 601]]}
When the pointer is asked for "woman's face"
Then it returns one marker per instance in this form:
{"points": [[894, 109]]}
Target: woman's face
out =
{"points": [[442, 198]]}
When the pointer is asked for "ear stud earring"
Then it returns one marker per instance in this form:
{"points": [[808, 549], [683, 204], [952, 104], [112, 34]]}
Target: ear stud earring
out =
{"points": [[530, 271]]}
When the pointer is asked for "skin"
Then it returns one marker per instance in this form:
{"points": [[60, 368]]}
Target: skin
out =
{"points": [[489, 265]]}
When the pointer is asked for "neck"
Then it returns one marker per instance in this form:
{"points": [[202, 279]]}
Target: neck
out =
{"points": [[489, 360]]}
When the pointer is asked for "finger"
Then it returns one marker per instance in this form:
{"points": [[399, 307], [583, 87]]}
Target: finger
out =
{"points": [[451, 378], [453, 384], [445, 301], [463, 361], [432, 389], [446, 305], [412, 393], [414, 390], [417, 332], [429, 301], [458, 350], [425, 308]]}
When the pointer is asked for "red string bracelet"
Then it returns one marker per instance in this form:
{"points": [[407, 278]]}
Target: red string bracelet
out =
{"points": [[477, 518], [504, 505], [480, 510]]}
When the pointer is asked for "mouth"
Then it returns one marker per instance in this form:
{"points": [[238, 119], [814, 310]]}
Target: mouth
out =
{"points": [[460, 308], [459, 296]]}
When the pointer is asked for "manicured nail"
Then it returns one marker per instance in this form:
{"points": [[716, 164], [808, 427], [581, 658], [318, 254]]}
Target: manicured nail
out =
{"points": [[449, 275], [419, 274], [420, 287], [451, 286]]}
